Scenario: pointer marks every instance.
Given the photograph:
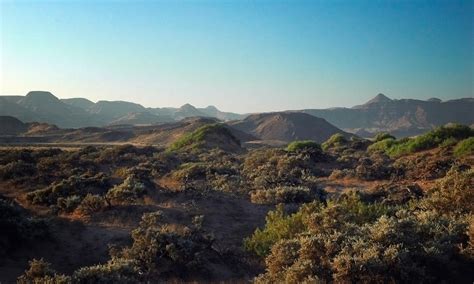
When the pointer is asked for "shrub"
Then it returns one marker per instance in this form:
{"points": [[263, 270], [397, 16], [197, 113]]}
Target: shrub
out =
{"points": [[382, 136], [464, 148], [350, 241], [382, 145], [285, 194], [453, 194], [336, 140], [68, 204], [278, 226], [127, 192], [79, 185], [116, 270], [91, 204], [39, 272], [160, 251], [310, 145], [17, 169]]}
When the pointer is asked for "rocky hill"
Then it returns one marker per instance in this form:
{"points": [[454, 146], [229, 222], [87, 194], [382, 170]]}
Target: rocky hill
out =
{"points": [[11, 126], [287, 126], [405, 117]]}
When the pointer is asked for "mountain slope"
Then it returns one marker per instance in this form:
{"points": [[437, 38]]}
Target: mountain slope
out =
{"points": [[287, 126], [79, 102], [45, 107], [138, 118], [404, 117], [11, 126]]}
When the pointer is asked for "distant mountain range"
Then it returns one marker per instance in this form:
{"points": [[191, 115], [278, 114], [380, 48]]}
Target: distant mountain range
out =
{"points": [[403, 117], [42, 106]]}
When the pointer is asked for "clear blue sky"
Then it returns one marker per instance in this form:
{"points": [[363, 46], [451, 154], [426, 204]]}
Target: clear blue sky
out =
{"points": [[242, 56]]}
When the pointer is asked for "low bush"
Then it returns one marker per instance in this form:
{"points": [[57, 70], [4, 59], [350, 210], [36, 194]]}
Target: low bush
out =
{"points": [[285, 194], [464, 148], [336, 140], [309, 145], [91, 204], [129, 191], [39, 272], [382, 136]]}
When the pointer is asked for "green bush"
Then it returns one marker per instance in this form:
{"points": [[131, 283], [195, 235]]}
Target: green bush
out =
{"points": [[382, 145], [464, 148], [444, 135], [279, 226], [296, 146], [382, 136], [336, 140]]}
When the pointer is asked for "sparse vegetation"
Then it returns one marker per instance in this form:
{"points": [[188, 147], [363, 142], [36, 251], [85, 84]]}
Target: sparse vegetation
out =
{"points": [[359, 211]]}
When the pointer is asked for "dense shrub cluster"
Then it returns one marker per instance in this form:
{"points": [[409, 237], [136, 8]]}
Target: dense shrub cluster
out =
{"points": [[67, 194], [349, 240], [444, 135], [269, 168]]}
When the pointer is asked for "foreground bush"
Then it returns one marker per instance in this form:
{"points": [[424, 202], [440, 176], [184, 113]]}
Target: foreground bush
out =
{"points": [[158, 252], [464, 148], [348, 240]]}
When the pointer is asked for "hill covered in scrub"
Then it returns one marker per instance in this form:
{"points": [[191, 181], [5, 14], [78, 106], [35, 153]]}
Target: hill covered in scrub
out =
{"points": [[211, 136], [204, 209]]}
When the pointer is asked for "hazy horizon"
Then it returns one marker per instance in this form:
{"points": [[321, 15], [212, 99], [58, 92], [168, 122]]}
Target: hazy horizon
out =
{"points": [[240, 56]]}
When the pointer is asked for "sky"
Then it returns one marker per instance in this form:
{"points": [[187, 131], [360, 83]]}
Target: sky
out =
{"points": [[242, 56]]}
